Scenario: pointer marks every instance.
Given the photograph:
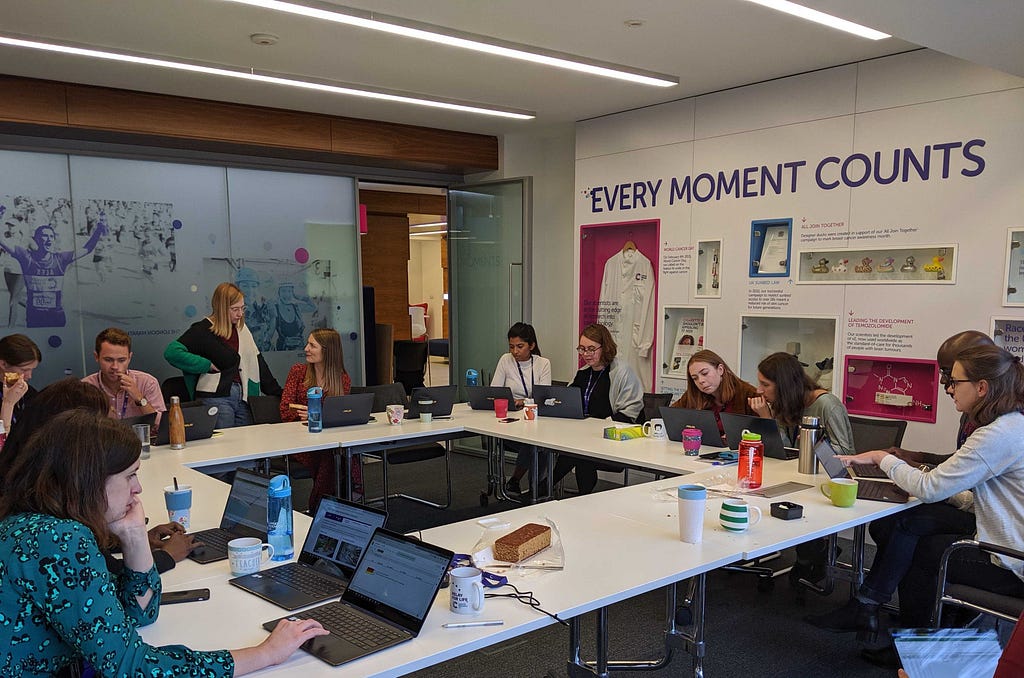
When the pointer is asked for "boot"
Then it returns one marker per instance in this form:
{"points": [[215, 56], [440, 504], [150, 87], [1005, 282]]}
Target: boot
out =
{"points": [[854, 616]]}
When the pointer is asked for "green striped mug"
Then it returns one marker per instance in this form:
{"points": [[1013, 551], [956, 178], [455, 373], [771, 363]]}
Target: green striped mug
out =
{"points": [[737, 515]]}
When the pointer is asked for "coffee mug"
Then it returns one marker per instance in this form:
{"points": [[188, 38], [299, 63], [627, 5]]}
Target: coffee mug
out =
{"points": [[179, 504], [530, 411], [467, 590], [396, 413], [736, 515], [426, 414], [655, 428], [245, 555], [842, 491]]}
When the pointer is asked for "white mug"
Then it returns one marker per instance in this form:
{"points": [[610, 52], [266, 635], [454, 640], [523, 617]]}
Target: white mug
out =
{"points": [[467, 590], [736, 515], [655, 428], [395, 414], [245, 555]]}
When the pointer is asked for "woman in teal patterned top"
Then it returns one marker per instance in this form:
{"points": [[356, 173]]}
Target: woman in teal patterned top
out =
{"points": [[69, 491]]}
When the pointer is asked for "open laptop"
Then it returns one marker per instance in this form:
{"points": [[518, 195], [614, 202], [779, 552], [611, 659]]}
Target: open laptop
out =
{"points": [[564, 402], [245, 515], [768, 429], [483, 397], [443, 396], [200, 420], [874, 489], [140, 419], [386, 602], [346, 410], [678, 418], [336, 539]]}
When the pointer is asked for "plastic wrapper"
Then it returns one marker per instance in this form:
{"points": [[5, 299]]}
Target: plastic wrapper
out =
{"points": [[550, 558]]}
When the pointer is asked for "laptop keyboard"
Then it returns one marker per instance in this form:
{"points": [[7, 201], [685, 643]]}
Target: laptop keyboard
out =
{"points": [[880, 491], [359, 629], [216, 538], [869, 471], [302, 579]]}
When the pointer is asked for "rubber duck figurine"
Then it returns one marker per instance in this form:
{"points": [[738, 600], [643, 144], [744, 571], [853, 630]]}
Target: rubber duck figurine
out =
{"points": [[909, 266]]}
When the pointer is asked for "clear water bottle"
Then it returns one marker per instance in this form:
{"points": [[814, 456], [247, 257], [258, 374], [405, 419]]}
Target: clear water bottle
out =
{"points": [[279, 517], [314, 405], [472, 377]]}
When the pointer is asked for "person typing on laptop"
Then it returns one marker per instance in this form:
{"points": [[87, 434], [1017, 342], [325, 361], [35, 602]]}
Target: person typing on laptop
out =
{"points": [[713, 386]]}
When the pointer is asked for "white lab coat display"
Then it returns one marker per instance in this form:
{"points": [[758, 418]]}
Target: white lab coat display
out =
{"points": [[626, 307]]}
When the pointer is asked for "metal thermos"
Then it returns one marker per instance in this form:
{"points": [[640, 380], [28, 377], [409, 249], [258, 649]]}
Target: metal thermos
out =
{"points": [[810, 431]]}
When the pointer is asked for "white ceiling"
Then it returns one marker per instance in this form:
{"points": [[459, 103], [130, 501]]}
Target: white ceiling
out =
{"points": [[709, 44]]}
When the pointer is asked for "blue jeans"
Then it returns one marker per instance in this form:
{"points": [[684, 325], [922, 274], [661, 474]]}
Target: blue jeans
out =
{"points": [[231, 409]]}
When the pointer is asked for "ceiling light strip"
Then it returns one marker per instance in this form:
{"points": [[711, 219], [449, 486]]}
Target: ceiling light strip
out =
{"points": [[266, 77], [820, 17], [452, 38]]}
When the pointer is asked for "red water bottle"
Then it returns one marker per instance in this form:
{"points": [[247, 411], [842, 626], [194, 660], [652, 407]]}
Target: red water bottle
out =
{"points": [[751, 461]]}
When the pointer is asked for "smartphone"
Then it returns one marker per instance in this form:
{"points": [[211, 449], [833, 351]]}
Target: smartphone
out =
{"points": [[190, 596], [508, 420]]}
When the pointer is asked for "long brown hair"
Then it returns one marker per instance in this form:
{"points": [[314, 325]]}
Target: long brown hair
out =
{"points": [[792, 385], [333, 365], [62, 471], [224, 296], [60, 396], [17, 349], [1004, 374], [695, 399], [598, 333]]}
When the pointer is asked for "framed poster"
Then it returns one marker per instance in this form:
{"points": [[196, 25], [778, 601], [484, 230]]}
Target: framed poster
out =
{"points": [[770, 242]]}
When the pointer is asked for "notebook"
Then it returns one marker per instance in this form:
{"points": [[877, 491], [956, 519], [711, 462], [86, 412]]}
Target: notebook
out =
{"points": [[874, 490], [678, 418], [443, 397], [386, 602], [200, 420], [336, 540], [564, 402], [483, 397], [768, 428], [346, 410], [245, 515]]}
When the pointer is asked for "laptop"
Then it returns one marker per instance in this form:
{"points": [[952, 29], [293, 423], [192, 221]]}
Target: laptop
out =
{"points": [[141, 419], [443, 396], [346, 410], [245, 515], [200, 420], [386, 602], [335, 541], [564, 402], [678, 418], [768, 428], [483, 397], [874, 490]]}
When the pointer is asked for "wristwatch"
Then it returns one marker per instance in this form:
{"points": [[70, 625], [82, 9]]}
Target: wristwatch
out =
{"points": [[142, 402]]}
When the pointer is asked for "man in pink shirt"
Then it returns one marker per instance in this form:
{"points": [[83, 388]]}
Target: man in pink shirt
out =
{"points": [[131, 393]]}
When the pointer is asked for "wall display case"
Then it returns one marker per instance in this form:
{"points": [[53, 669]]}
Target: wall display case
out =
{"points": [[707, 283], [684, 331], [874, 265], [812, 339], [770, 244], [1013, 295], [894, 388]]}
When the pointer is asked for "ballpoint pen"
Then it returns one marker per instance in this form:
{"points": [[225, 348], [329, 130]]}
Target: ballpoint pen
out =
{"points": [[468, 624]]}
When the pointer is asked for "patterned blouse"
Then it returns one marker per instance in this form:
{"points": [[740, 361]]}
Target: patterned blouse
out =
{"points": [[59, 604]]}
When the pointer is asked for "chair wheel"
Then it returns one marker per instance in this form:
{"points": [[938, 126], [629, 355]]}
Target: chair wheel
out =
{"points": [[484, 499]]}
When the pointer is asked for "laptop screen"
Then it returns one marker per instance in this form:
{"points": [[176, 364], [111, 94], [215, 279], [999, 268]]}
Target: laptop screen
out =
{"points": [[339, 533], [400, 573], [830, 461], [247, 502]]}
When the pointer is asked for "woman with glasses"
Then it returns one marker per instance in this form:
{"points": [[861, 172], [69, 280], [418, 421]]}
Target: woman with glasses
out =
{"points": [[713, 386], [611, 389], [220, 360], [987, 384]]}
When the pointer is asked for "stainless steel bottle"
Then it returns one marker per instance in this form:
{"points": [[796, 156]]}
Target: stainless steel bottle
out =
{"points": [[810, 430]]}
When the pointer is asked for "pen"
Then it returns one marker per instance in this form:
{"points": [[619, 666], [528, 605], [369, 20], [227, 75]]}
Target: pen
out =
{"points": [[468, 624]]}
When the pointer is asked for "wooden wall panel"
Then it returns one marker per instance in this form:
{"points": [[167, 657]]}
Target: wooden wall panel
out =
{"points": [[32, 101], [402, 204], [385, 252], [417, 144]]}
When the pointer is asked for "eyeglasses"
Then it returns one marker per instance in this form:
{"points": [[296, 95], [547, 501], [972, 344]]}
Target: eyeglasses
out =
{"points": [[587, 349], [951, 382], [237, 309], [944, 376]]}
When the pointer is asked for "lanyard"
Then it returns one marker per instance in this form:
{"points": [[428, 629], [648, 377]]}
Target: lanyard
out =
{"points": [[590, 389], [489, 580], [529, 391], [124, 404]]}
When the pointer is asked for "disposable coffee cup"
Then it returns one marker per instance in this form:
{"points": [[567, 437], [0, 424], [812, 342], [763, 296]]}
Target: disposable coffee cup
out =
{"points": [[142, 431], [693, 501], [179, 504], [501, 407]]}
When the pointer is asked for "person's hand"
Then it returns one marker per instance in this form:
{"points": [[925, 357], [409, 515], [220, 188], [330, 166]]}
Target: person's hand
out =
{"points": [[302, 412], [519, 403], [900, 673], [16, 391], [179, 545], [129, 386], [761, 406], [872, 457], [910, 456], [287, 636], [131, 527], [213, 369], [161, 533]]}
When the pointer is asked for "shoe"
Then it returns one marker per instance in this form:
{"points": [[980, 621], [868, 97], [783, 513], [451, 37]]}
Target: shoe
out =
{"points": [[512, 488], [884, 656], [854, 616]]}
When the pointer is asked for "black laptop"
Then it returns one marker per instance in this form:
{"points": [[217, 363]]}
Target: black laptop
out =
{"points": [[873, 489], [678, 418], [483, 397], [336, 540], [443, 396], [767, 428], [386, 602], [245, 515], [141, 419], [564, 402], [346, 410], [200, 420]]}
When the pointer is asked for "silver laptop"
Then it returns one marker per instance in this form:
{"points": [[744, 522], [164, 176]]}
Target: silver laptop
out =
{"points": [[678, 418], [564, 402], [386, 602], [245, 515]]}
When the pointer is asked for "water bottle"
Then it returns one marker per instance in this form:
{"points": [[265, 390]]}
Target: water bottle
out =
{"points": [[472, 377], [279, 517], [314, 409], [176, 424], [810, 431], [691, 441], [751, 458]]}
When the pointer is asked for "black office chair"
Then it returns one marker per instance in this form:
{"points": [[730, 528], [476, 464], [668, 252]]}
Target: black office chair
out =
{"points": [[876, 434], [175, 386], [555, 382], [410, 363], [1008, 608], [653, 402], [394, 394], [265, 409]]}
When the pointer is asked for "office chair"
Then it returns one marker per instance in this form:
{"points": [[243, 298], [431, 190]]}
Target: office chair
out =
{"points": [[410, 363], [876, 434], [1008, 608], [265, 409], [653, 402]]}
